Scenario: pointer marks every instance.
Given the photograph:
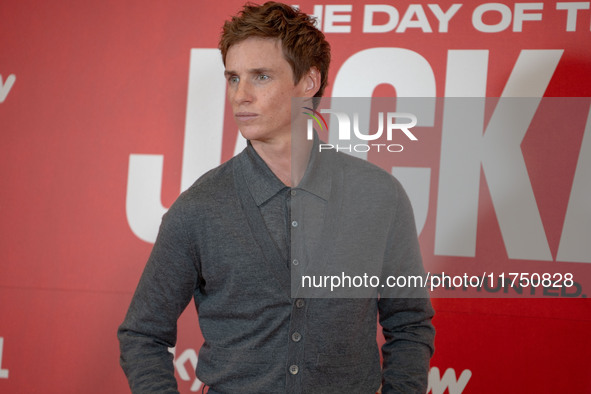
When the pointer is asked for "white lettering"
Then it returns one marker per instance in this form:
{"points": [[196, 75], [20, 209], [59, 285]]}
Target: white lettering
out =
{"points": [[361, 148], [331, 17], [368, 16], [401, 126], [317, 15], [438, 384], [368, 137], [407, 71], [345, 125], [204, 119], [521, 16], [444, 17], [395, 148], [364, 148], [3, 372], [493, 28], [6, 86], [574, 241], [499, 153], [143, 207], [459, 176], [572, 8], [179, 365], [421, 21], [414, 10], [412, 76], [204, 122]]}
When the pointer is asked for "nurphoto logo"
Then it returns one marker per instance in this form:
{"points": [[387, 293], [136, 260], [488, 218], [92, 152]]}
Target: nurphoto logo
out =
{"points": [[395, 122]]}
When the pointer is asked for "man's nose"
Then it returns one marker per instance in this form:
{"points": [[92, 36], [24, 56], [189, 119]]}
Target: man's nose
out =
{"points": [[243, 92]]}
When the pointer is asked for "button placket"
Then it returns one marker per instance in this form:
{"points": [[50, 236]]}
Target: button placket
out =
{"points": [[296, 338], [296, 229]]}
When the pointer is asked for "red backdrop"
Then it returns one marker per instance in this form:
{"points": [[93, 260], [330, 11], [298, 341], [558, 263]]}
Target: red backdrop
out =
{"points": [[99, 100]]}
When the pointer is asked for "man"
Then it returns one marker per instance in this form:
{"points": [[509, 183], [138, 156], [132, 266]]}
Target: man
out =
{"points": [[231, 240]]}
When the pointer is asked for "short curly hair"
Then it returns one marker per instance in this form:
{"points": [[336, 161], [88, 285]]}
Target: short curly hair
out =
{"points": [[303, 45]]}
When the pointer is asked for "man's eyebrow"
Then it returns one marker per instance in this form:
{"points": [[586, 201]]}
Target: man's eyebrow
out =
{"points": [[261, 70]]}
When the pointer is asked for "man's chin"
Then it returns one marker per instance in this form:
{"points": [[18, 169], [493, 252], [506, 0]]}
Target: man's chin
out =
{"points": [[249, 134]]}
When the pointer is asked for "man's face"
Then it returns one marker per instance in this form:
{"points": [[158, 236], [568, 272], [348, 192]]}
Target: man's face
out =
{"points": [[260, 88]]}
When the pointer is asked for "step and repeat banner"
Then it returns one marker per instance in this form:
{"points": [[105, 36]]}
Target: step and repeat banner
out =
{"points": [[109, 109]]}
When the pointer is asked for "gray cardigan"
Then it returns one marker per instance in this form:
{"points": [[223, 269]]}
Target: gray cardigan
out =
{"points": [[261, 335]]}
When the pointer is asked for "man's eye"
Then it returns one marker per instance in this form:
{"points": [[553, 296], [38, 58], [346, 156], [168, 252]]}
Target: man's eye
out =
{"points": [[233, 79], [262, 77]]}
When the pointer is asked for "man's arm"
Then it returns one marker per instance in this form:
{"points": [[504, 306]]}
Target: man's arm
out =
{"points": [[405, 314], [150, 326], [409, 335]]}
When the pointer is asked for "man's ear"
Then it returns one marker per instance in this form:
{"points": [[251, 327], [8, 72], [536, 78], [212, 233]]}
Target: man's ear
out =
{"points": [[312, 82]]}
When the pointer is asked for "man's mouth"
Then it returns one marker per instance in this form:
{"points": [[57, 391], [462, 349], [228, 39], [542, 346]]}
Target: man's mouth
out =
{"points": [[245, 116]]}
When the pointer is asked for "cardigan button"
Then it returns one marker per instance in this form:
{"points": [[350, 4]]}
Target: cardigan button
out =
{"points": [[293, 369]]}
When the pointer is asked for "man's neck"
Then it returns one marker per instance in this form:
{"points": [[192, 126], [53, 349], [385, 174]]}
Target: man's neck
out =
{"points": [[287, 162]]}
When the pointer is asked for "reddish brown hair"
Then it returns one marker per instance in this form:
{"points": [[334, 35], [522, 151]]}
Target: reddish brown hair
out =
{"points": [[304, 46]]}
